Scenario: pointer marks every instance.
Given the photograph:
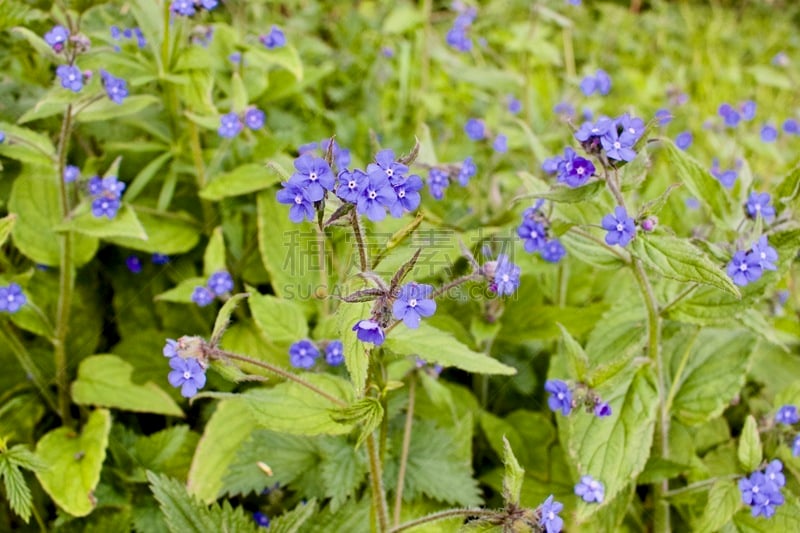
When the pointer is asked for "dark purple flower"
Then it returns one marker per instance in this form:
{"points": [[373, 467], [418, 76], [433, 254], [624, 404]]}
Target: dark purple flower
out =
{"points": [[57, 38], [602, 409], [649, 224], [351, 184], [303, 354], [684, 140], [787, 414], [620, 227], [229, 125], [506, 276], [254, 118], [369, 331], [116, 88], [560, 396], [438, 181], [744, 268], [574, 170], [202, 296], [769, 133], [71, 77], [334, 353], [765, 254], [413, 303], [11, 298], [475, 129], [296, 196], [134, 264], [71, 173], [274, 39], [220, 283], [758, 204], [187, 374], [105, 205], [408, 197], [261, 519], [314, 175], [467, 170], [590, 490], [550, 520]]}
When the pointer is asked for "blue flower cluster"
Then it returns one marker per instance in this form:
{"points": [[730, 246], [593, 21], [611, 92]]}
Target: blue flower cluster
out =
{"points": [[748, 266], [534, 231], [106, 194], [188, 8], [304, 353], [762, 490], [600, 83], [732, 116], [116, 88], [787, 415], [188, 373], [440, 177], [613, 137], [57, 38], [12, 298], [231, 124], [458, 36], [128, 33], [563, 398], [590, 490], [726, 177], [274, 39], [218, 284]]}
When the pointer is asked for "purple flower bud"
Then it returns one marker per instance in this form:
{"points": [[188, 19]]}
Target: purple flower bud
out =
{"points": [[649, 224], [134, 264], [602, 409]]}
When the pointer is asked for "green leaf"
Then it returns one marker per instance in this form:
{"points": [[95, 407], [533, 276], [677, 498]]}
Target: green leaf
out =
{"points": [[28, 146], [291, 521], [714, 370], [167, 233], [285, 57], [788, 191], [244, 179], [402, 18], [224, 316], [514, 475], [125, 224], [367, 411], [723, 502], [74, 462], [749, 452], [563, 193], [238, 93], [6, 225], [182, 292], [701, 184], [292, 408], [356, 353], [214, 256], [436, 346], [17, 491], [619, 445], [680, 260], [106, 381], [106, 109], [282, 321], [591, 251], [577, 360]]}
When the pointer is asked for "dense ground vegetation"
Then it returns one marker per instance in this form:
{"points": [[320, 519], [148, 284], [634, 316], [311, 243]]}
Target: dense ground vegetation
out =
{"points": [[388, 266]]}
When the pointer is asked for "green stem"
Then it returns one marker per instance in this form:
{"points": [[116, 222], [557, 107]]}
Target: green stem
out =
{"points": [[376, 482], [699, 485], [66, 279], [25, 360], [401, 475], [441, 515], [680, 297]]}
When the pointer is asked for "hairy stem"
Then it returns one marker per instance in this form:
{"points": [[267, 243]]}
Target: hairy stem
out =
{"points": [[10, 339], [441, 515], [401, 474], [362, 250], [686, 292], [376, 482], [474, 276]]}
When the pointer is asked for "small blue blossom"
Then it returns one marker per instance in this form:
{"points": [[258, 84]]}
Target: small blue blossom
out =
{"points": [[727, 177], [684, 140], [209, 4], [369, 331], [500, 143], [220, 283], [765, 254], [105, 206], [632, 126], [71, 173], [791, 126], [564, 109], [159, 259], [475, 129], [116, 88], [769, 133], [408, 197], [744, 268], [187, 374], [351, 183], [386, 165], [748, 109], [533, 235], [600, 83], [334, 353], [553, 251], [588, 85], [134, 264], [261, 519], [296, 196], [141, 42], [751, 487], [590, 490], [506, 276], [602, 409], [759, 204], [618, 146], [71, 77], [254, 118], [314, 175], [438, 181], [620, 227], [787, 414], [574, 170], [12, 298], [229, 125], [560, 398], [513, 104], [183, 7], [774, 473], [467, 170], [781, 59], [457, 38], [729, 115], [550, 520], [171, 348], [235, 58], [413, 303], [796, 446], [664, 117], [274, 39], [376, 197], [202, 296], [57, 38], [303, 354]]}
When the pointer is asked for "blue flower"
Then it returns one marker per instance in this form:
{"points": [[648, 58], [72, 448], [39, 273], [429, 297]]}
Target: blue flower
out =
{"points": [[385, 165], [134, 264], [159, 259], [254, 118], [564, 109], [590, 490], [303, 354], [787, 414], [274, 39], [220, 283], [574, 170], [11, 298], [376, 197], [71, 173], [457, 38], [369, 331], [467, 170], [664, 117], [618, 146], [71, 77], [620, 227], [105, 205], [769, 133], [351, 184], [183, 7], [791, 126], [514, 105], [475, 129], [533, 234], [413, 303], [171, 348], [550, 520], [588, 85], [57, 38], [506, 276], [602, 409], [334, 353], [296, 196], [762, 491], [752, 486], [408, 197], [209, 4], [774, 473], [748, 109], [684, 140], [729, 115], [603, 82], [758, 204], [438, 181], [744, 268], [765, 253], [314, 175], [553, 251], [229, 125], [261, 519], [187, 374], [560, 396], [796, 446], [202, 296], [500, 143], [116, 88], [727, 178]]}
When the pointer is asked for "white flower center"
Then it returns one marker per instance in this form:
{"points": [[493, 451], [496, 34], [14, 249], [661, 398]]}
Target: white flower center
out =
{"points": [[412, 302], [505, 278], [389, 172], [187, 375], [617, 145], [351, 184], [373, 195], [755, 489], [312, 176], [401, 193], [580, 171], [758, 207], [551, 515], [534, 235], [631, 131], [298, 199], [743, 267], [560, 395], [620, 226]]}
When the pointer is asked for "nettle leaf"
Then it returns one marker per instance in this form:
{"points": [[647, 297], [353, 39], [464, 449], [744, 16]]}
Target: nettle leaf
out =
{"points": [[788, 191], [74, 462], [559, 193], [291, 521], [17, 491], [614, 450], [292, 408], [591, 251], [750, 452], [282, 321], [107, 381], [680, 260], [367, 411], [514, 475], [125, 224], [436, 346], [243, 179], [711, 370], [27, 146]]}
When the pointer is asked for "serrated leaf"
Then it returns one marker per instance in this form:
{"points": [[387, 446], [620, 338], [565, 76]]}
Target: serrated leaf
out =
{"points": [[244, 179], [107, 381], [124, 225], [367, 411], [74, 462], [17, 491], [749, 451], [577, 360], [224, 316], [723, 501], [285, 57], [436, 346], [21, 456], [514, 475], [680, 260], [291, 521], [282, 321]]}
